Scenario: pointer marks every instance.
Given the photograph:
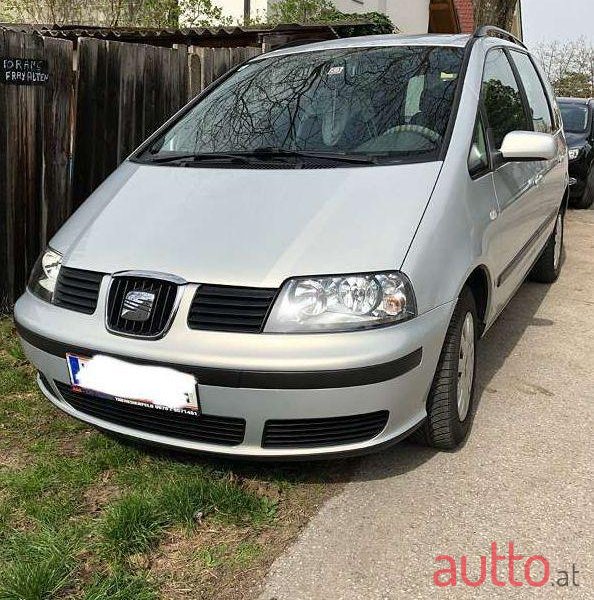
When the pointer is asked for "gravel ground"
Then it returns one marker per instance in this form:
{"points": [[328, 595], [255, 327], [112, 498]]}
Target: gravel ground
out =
{"points": [[525, 474]]}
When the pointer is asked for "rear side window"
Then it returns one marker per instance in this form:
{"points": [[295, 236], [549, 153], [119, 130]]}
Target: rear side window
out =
{"points": [[537, 100], [502, 98]]}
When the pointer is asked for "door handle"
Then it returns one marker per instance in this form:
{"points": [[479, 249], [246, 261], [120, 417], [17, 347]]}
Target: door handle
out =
{"points": [[538, 179]]}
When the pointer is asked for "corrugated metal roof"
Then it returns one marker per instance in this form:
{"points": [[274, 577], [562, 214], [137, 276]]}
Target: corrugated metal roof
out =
{"points": [[215, 36]]}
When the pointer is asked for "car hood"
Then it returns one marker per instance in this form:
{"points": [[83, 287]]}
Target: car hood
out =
{"points": [[248, 226]]}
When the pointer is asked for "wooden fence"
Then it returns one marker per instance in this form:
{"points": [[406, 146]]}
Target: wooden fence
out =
{"points": [[35, 137], [60, 140]]}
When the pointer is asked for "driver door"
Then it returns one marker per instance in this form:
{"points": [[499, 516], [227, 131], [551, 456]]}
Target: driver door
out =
{"points": [[514, 182]]}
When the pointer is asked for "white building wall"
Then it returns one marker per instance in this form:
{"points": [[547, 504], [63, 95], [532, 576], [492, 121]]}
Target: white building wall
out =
{"points": [[410, 16]]}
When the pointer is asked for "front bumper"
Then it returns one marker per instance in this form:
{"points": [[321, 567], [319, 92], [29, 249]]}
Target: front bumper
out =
{"points": [[256, 377]]}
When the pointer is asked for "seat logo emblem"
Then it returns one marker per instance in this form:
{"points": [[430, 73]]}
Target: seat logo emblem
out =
{"points": [[137, 306]]}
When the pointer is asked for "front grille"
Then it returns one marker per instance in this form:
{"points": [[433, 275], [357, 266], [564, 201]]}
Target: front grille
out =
{"points": [[333, 431], [226, 308], [155, 316], [78, 290], [225, 431]]}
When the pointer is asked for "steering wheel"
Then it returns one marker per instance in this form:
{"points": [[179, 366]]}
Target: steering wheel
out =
{"points": [[427, 133]]}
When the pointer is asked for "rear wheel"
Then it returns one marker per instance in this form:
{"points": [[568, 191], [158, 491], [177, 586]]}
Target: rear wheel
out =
{"points": [[548, 266], [451, 398]]}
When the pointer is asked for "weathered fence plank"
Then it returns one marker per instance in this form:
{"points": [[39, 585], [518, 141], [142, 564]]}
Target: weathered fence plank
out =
{"points": [[194, 75], [149, 110], [127, 114], [88, 78], [207, 61], [56, 199], [112, 111], [221, 62]]}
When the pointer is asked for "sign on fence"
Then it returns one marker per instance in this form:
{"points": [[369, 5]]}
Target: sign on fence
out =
{"points": [[23, 71]]}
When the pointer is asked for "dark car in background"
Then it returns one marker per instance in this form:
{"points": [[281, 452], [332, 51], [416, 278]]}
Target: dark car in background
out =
{"points": [[578, 121]]}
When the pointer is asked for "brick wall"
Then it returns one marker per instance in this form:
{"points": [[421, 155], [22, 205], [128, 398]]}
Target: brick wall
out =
{"points": [[465, 14]]}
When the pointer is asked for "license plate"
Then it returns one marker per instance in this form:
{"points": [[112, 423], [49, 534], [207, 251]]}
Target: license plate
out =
{"points": [[154, 387]]}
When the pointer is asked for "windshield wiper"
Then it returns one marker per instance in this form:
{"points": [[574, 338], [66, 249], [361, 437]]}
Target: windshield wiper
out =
{"points": [[197, 157], [274, 152], [263, 153]]}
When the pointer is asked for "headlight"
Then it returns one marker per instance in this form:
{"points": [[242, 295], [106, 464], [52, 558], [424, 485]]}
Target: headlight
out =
{"points": [[45, 274], [342, 303], [574, 153]]}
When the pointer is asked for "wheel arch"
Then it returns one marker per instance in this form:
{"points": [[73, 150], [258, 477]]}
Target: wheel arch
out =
{"points": [[479, 283], [565, 201]]}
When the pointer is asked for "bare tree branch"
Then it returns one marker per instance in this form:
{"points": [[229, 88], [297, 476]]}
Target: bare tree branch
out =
{"points": [[569, 66]]}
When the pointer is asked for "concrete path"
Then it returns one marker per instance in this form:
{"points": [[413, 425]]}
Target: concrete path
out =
{"points": [[525, 474]]}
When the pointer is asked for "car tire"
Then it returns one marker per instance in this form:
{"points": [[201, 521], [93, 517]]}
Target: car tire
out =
{"points": [[587, 198], [450, 405], [548, 266]]}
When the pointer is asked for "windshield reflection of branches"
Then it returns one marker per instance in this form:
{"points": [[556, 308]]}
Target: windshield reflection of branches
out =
{"points": [[332, 100]]}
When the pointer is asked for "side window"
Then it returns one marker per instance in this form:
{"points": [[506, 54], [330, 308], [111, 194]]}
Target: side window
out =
{"points": [[502, 99], [478, 159], [539, 105], [557, 121]]}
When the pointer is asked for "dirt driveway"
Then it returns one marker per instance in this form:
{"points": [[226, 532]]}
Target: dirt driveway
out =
{"points": [[525, 475]]}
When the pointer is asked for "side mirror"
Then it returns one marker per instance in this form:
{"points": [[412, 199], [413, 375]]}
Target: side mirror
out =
{"points": [[528, 145]]}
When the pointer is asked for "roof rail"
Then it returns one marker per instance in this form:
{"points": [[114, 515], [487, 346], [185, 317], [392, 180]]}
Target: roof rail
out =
{"points": [[491, 30]]}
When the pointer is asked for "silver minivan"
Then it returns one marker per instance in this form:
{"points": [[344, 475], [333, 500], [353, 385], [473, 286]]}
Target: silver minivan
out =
{"points": [[301, 261]]}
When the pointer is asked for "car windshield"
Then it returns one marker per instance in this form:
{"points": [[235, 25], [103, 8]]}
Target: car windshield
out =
{"points": [[575, 118], [390, 102]]}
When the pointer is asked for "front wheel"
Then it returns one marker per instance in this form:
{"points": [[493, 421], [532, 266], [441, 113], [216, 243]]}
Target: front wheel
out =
{"points": [[451, 398], [548, 266], [587, 198]]}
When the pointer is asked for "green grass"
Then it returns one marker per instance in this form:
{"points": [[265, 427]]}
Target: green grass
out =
{"points": [[135, 523], [132, 525], [120, 586], [41, 566], [83, 516], [184, 498], [32, 581]]}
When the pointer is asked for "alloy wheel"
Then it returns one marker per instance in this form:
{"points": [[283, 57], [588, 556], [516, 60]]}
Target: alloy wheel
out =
{"points": [[466, 366]]}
